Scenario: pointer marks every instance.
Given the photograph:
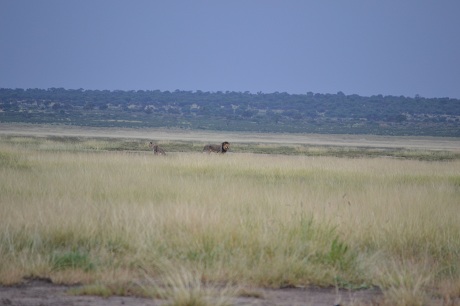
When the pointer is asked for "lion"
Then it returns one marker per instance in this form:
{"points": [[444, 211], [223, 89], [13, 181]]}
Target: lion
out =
{"points": [[156, 149], [222, 148]]}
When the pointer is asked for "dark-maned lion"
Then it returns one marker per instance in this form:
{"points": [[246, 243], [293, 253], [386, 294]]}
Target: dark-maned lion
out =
{"points": [[222, 148], [156, 149]]}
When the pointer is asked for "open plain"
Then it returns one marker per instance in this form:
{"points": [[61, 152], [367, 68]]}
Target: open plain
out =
{"points": [[91, 217], [408, 142]]}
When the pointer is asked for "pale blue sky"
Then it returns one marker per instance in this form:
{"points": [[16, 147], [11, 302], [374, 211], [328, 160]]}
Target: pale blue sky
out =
{"points": [[365, 47]]}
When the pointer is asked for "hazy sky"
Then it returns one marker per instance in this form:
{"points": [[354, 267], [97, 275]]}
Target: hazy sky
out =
{"points": [[365, 47]]}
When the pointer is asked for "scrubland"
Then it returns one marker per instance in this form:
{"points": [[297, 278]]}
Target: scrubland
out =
{"points": [[134, 223]]}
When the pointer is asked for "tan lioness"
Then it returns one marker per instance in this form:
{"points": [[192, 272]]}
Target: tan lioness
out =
{"points": [[156, 149]]}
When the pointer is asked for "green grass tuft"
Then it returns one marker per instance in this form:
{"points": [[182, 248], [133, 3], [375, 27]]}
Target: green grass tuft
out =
{"points": [[71, 260]]}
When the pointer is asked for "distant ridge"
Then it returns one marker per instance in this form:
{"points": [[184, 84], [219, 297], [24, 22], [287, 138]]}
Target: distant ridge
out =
{"points": [[235, 111]]}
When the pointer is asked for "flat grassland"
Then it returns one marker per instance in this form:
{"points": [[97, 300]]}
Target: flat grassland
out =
{"points": [[102, 211]]}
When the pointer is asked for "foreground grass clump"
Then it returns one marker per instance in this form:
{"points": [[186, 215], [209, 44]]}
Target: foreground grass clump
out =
{"points": [[95, 217]]}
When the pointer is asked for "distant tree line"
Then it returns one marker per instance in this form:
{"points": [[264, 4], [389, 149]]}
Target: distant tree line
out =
{"points": [[245, 111]]}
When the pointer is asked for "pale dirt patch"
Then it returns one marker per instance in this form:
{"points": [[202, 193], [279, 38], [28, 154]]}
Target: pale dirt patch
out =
{"points": [[42, 292]]}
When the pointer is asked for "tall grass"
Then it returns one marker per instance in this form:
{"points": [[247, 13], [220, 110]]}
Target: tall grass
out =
{"points": [[246, 219]]}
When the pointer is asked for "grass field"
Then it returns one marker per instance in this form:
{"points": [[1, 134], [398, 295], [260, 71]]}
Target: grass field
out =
{"points": [[113, 216]]}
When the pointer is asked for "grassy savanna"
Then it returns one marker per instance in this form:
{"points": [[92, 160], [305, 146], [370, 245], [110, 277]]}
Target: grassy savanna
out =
{"points": [[178, 225]]}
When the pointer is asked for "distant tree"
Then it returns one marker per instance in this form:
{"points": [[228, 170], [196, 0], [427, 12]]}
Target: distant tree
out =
{"points": [[88, 106]]}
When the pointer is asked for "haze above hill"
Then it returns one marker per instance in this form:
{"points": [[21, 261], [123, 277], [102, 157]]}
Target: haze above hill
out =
{"points": [[357, 47]]}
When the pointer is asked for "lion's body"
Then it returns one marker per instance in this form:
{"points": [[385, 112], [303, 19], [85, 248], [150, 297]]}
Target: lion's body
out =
{"points": [[222, 148]]}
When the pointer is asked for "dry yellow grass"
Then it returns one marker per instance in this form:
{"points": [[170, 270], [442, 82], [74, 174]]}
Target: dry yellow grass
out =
{"points": [[266, 220]]}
